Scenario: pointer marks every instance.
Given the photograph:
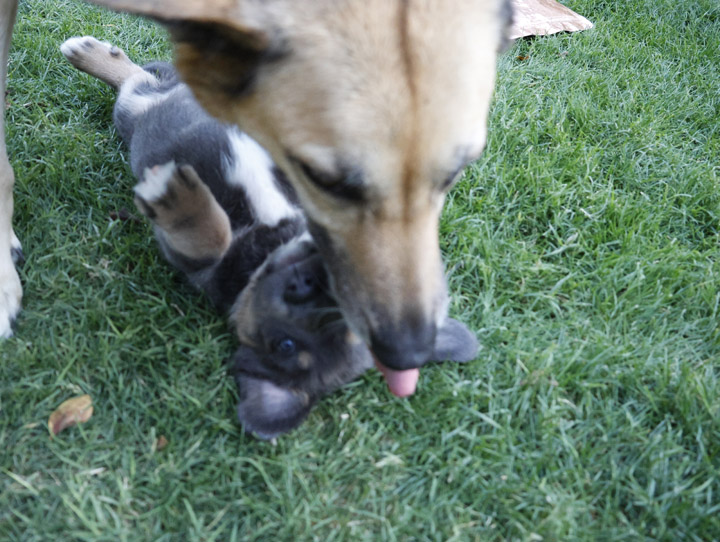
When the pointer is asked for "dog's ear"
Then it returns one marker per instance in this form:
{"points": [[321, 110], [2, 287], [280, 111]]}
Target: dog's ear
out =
{"points": [[219, 44], [229, 12], [267, 410], [455, 342]]}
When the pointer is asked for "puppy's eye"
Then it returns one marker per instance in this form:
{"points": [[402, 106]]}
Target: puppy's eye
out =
{"points": [[285, 347]]}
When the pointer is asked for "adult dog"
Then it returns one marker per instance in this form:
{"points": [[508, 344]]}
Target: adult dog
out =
{"points": [[371, 107]]}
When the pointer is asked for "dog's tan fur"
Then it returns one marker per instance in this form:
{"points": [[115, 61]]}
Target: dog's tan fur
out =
{"points": [[381, 102]]}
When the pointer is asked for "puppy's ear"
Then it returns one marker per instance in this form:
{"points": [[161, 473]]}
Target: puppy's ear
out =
{"points": [[267, 410], [455, 342]]}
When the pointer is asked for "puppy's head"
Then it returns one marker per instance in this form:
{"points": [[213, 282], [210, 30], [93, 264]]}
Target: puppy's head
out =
{"points": [[372, 108], [297, 347]]}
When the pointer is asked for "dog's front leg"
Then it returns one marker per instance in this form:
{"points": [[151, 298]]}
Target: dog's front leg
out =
{"points": [[10, 287]]}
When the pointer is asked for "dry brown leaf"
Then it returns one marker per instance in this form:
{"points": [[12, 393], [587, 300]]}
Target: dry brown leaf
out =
{"points": [[543, 17], [70, 412], [161, 442]]}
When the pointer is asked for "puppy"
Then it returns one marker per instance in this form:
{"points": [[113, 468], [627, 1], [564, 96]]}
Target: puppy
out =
{"points": [[226, 217]]}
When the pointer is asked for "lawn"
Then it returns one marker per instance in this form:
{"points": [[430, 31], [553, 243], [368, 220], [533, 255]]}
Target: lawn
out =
{"points": [[583, 248]]}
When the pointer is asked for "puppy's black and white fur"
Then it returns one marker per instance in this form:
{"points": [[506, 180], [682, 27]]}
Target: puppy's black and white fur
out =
{"points": [[225, 217]]}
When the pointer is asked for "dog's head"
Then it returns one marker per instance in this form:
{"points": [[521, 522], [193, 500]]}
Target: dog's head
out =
{"points": [[372, 108], [296, 346]]}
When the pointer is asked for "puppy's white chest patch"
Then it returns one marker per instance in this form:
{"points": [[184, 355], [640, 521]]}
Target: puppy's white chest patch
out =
{"points": [[249, 166]]}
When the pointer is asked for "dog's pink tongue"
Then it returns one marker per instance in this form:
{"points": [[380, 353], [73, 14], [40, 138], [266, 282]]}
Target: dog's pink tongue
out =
{"points": [[400, 383]]}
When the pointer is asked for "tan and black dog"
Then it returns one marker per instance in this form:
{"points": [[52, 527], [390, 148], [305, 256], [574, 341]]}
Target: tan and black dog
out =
{"points": [[371, 108], [224, 215]]}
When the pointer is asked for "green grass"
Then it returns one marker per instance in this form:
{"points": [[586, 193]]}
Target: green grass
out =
{"points": [[584, 248]]}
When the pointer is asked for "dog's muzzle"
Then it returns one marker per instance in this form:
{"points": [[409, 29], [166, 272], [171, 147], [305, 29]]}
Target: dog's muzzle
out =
{"points": [[407, 348]]}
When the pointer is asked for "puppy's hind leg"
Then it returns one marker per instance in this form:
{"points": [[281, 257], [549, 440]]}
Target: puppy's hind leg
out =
{"points": [[188, 219], [100, 59]]}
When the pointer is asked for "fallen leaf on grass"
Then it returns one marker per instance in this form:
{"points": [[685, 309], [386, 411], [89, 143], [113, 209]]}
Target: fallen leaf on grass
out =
{"points": [[161, 442], [70, 412]]}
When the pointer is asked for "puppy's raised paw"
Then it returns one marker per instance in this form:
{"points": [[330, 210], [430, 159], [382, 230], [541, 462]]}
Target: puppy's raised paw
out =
{"points": [[166, 192], [184, 211]]}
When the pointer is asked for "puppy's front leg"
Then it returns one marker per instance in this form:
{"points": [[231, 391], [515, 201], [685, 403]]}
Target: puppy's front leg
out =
{"points": [[187, 218]]}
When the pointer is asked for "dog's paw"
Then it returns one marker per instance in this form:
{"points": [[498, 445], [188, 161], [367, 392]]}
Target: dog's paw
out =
{"points": [[10, 290]]}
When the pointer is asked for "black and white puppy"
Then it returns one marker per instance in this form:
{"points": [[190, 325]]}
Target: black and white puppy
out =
{"points": [[225, 217]]}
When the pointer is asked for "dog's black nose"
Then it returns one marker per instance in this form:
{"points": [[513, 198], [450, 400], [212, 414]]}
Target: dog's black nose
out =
{"points": [[302, 284], [410, 347]]}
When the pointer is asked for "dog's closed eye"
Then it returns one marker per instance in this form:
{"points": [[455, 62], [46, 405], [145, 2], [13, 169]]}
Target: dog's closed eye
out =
{"points": [[346, 184]]}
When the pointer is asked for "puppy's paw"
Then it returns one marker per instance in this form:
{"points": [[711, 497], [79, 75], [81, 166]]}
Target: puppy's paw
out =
{"points": [[186, 215], [83, 52], [165, 191], [10, 291], [99, 59]]}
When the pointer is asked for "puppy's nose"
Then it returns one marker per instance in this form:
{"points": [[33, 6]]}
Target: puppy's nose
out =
{"points": [[302, 285], [409, 347]]}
